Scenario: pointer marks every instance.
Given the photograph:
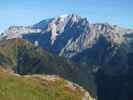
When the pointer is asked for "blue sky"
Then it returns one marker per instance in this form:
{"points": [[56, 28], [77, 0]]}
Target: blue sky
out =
{"points": [[28, 12]]}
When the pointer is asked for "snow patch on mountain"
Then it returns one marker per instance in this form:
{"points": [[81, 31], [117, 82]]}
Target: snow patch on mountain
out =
{"points": [[63, 16]]}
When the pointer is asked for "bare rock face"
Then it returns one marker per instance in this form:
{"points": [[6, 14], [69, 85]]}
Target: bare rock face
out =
{"points": [[68, 35], [71, 35], [18, 31]]}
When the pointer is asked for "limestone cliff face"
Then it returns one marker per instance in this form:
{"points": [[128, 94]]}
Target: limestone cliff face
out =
{"points": [[18, 31], [68, 35]]}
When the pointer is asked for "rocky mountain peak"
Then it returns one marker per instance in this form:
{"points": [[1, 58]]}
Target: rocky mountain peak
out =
{"points": [[68, 33]]}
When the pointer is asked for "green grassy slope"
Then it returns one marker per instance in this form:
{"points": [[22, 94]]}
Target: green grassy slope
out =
{"points": [[14, 87]]}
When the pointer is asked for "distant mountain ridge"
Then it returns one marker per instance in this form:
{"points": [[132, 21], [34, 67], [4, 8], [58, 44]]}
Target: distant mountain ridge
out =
{"points": [[76, 38], [68, 35]]}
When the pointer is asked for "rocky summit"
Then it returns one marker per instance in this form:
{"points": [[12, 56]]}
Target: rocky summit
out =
{"points": [[67, 35]]}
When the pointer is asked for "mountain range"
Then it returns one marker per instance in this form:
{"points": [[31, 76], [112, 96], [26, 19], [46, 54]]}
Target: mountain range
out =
{"points": [[97, 56]]}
